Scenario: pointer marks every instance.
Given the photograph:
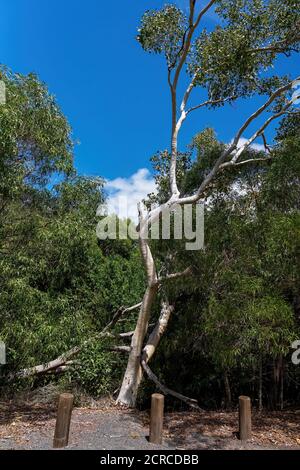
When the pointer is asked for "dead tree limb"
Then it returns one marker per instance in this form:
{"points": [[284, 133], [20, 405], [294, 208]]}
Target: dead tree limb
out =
{"points": [[167, 391], [121, 349], [61, 361]]}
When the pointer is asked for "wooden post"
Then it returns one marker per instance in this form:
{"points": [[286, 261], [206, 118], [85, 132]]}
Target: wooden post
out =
{"points": [[244, 418], [156, 419], [62, 427]]}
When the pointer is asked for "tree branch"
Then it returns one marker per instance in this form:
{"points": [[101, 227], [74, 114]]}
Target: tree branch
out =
{"points": [[64, 358], [232, 147], [121, 349], [257, 134], [211, 102], [250, 160], [267, 147], [186, 272], [167, 391], [279, 46], [160, 328]]}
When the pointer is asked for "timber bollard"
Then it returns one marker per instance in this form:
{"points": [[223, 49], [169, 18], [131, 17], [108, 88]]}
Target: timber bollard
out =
{"points": [[244, 418], [156, 418], [62, 427]]}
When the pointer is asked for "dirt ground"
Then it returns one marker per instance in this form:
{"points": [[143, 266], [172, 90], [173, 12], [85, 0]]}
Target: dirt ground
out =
{"points": [[105, 427]]}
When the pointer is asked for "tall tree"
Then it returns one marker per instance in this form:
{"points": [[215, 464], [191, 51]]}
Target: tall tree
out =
{"points": [[231, 62]]}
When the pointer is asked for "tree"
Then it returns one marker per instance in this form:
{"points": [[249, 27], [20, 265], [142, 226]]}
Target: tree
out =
{"points": [[231, 62], [35, 144]]}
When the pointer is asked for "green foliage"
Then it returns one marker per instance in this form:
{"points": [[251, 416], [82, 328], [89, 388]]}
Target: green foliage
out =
{"points": [[35, 138], [98, 372], [235, 59], [162, 32]]}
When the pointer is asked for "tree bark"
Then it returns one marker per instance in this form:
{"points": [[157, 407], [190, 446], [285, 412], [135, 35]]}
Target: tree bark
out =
{"points": [[281, 382], [260, 387], [159, 330], [134, 372], [133, 375], [228, 399]]}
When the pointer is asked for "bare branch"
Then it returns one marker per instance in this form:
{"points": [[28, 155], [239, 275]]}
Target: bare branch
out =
{"points": [[127, 334], [65, 358], [203, 11], [211, 102], [120, 349], [279, 46], [260, 110], [259, 132], [188, 92], [250, 160], [186, 272], [167, 391]]}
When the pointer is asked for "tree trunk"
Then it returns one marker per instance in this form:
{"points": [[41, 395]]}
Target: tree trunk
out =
{"points": [[278, 382], [133, 374], [228, 399], [260, 387], [281, 383]]}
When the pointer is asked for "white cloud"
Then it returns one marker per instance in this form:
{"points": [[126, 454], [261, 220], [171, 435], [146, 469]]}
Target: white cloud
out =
{"points": [[124, 194], [255, 146]]}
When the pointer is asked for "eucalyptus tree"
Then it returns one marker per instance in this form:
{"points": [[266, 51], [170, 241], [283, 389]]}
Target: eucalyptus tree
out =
{"points": [[35, 144], [234, 61]]}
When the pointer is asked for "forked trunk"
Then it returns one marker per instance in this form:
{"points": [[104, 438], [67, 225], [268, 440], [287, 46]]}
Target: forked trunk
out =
{"points": [[133, 374]]}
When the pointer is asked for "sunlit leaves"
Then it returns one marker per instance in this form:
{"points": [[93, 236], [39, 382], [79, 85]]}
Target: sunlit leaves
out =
{"points": [[162, 32]]}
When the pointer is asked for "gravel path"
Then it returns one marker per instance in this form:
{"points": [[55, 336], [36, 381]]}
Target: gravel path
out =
{"points": [[32, 427], [90, 429]]}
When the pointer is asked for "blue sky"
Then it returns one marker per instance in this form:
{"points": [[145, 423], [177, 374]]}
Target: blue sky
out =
{"points": [[114, 94]]}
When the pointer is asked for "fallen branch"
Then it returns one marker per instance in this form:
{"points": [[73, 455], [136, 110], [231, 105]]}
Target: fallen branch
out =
{"points": [[167, 391], [59, 362], [122, 349]]}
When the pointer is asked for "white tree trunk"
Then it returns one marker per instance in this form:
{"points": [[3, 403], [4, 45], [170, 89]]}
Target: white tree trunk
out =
{"points": [[133, 375]]}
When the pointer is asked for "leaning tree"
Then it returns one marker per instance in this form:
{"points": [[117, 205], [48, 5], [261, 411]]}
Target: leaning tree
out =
{"points": [[233, 61]]}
